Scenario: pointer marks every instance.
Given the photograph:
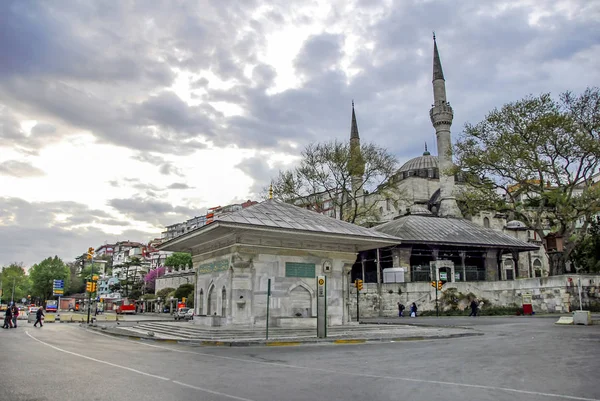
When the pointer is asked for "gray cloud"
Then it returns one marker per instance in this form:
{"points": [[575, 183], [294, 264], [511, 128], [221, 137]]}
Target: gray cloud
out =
{"points": [[30, 231], [151, 210], [179, 185], [20, 169]]}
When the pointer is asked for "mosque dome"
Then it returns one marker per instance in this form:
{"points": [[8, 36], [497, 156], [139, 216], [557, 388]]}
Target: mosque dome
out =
{"points": [[516, 224], [424, 162]]}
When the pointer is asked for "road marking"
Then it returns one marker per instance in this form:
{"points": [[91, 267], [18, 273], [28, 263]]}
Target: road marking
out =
{"points": [[138, 371], [211, 391], [346, 373]]}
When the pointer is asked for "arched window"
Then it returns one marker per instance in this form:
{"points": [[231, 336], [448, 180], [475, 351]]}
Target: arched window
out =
{"points": [[486, 222], [223, 302], [211, 301], [537, 268], [509, 269], [381, 210]]}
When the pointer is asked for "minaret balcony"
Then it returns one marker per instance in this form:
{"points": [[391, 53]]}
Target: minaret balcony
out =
{"points": [[441, 114]]}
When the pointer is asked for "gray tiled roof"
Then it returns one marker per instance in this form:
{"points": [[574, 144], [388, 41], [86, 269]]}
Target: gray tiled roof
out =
{"points": [[276, 214], [420, 163], [451, 231]]}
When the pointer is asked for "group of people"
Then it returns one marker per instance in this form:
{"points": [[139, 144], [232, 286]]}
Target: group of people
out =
{"points": [[413, 310], [475, 305], [10, 318], [12, 313]]}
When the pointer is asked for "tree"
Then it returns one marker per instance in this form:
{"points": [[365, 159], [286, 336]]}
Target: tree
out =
{"points": [[150, 278], [534, 160], [76, 283], [337, 173], [586, 255], [14, 277], [178, 260], [184, 291], [164, 293], [44, 273]]}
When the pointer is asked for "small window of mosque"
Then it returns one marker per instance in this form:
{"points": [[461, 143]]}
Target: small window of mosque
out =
{"points": [[486, 222], [388, 204], [381, 210]]}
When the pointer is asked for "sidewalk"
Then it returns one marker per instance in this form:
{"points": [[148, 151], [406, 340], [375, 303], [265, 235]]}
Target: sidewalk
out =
{"points": [[187, 333]]}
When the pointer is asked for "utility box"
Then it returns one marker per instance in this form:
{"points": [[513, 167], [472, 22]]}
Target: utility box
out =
{"points": [[582, 317]]}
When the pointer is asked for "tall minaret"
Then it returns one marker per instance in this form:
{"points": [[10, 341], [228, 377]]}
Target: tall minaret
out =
{"points": [[357, 165], [441, 117]]}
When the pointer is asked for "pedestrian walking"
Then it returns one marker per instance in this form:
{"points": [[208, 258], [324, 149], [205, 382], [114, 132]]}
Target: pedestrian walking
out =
{"points": [[15, 315], [474, 305], [38, 317], [8, 318], [400, 309], [413, 310]]}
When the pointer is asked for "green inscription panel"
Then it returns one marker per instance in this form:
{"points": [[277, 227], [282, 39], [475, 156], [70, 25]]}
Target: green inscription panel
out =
{"points": [[213, 267], [294, 269]]}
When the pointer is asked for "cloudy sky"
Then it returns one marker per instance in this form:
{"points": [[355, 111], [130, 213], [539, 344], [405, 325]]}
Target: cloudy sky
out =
{"points": [[120, 117]]}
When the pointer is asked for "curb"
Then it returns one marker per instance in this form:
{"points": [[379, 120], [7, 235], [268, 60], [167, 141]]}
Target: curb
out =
{"points": [[287, 343]]}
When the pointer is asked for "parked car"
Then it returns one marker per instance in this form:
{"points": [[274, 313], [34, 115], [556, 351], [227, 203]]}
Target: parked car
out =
{"points": [[184, 313]]}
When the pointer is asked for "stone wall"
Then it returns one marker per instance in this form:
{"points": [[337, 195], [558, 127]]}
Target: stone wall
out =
{"points": [[174, 280], [549, 294]]}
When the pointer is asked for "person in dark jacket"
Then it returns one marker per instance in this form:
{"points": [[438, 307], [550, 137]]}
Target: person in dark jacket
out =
{"points": [[474, 305], [8, 319], [15, 315], [38, 317], [413, 309]]}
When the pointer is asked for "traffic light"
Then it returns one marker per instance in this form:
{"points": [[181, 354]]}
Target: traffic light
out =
{"points": [[358, 284], [88, 286], [90, 253], [434, 284], [440, 284], [94, 277], [183, 299], [93, 287]]}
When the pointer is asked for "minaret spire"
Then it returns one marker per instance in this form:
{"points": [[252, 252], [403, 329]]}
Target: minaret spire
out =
{"points": [[354, 129], [357, 165], [441, 117], [438, 73]]}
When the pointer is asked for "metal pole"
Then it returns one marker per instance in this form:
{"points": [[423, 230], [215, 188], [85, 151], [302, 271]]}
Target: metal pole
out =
{"points": [[12, 298], [90, 293], [437, 308], [357, 308], [579, 285], [268, 302]]}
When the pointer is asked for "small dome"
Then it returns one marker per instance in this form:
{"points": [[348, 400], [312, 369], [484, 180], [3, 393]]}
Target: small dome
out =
{"points": [[515, 224], [420, 163], [419, 209]]}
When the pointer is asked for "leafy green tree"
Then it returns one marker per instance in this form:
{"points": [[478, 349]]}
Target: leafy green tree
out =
{"points": [[14, 277], [179, 260], [184, 291], [76, 283], [340, 174], [586, 255], [44, 273], [534, 160], [164, 293]]}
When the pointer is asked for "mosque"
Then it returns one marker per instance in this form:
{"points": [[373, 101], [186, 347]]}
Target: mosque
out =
{"points": [[427, 217]]}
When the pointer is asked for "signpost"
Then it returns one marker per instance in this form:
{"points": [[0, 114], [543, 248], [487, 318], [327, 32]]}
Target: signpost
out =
{"points": [[321, 307], [58, 290], [438, 286]]}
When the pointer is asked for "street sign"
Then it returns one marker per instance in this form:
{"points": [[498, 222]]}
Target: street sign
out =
{"points": [[58, 287], [443, 276], [321, 286]]}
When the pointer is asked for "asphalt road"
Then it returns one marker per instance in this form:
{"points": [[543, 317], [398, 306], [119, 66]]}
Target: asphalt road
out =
{"points": [[516, 359]]}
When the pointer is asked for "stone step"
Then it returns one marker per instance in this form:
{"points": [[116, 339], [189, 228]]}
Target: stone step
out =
{"points": [[191, 332]]}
